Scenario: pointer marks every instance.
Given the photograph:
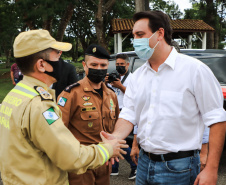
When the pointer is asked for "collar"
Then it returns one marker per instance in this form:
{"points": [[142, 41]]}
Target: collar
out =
{"points": [[170, 60], [35, 82]]}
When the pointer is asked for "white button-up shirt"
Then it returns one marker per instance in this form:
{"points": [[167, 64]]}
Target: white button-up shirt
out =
{"points": [[171, 105]]}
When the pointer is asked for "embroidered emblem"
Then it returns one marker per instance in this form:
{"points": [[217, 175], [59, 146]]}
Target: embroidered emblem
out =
{"points": [[112, 105], [86, 98], [90, 124], [88, 109], [62, 101], [87, 104], [43, 93], [94, 50], [50, 116]]}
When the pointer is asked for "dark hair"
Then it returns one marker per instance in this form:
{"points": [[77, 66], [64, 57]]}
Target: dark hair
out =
{"points": [[26, 64], [123, 56], [157, 19]]}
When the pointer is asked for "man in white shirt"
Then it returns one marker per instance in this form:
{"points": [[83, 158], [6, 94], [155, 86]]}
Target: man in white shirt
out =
{"points": [[169, 98], [119, 86]]}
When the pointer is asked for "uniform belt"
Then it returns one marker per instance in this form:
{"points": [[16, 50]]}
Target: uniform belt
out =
{"points": [[171, 156]]}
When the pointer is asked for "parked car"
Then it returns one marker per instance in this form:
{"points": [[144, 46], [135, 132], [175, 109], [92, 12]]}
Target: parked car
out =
{"points": [[215, 59]]}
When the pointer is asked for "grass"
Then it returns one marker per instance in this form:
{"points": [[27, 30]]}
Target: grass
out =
{"points": [[6, 83], [6, 86]]}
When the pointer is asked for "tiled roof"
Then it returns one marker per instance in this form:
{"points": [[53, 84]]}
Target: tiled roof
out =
{"points": [[183, 25]]}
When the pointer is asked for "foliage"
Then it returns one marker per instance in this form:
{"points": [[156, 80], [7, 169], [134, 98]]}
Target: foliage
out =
{"points": [[169, 7]]}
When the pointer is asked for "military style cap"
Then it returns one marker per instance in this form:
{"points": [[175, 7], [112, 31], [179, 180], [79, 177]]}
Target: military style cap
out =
{"points": [[97, 51], [33, 41]]}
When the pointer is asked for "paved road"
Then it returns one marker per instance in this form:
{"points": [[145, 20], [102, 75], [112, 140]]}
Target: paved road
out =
{"points": [[124, 171]]}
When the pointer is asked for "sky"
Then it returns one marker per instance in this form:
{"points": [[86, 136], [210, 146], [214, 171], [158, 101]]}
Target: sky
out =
{"points": [[183, 4]]}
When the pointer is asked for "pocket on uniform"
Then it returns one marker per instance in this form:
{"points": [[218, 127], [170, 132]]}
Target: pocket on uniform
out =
{"points": [[170, 104], [111, 123], [90, 122], [179, 165]]}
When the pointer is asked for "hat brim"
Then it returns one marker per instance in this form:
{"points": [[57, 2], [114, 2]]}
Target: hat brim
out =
{"points": [[62, 46]]}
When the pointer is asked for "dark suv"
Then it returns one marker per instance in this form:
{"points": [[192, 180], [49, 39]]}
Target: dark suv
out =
{"points": [[215, 59]]}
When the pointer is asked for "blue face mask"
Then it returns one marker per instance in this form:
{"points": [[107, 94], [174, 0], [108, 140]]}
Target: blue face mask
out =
{"points": [[142, 48]]}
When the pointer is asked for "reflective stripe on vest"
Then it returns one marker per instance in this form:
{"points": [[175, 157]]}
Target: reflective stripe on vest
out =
{"points": [[103, 152], [24, 90]]}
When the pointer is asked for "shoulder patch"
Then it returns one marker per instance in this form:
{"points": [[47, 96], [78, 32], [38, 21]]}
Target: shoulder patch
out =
{"points": [[110, 88], [62, 101], [50, 116], [45, 95], [68, 88]]}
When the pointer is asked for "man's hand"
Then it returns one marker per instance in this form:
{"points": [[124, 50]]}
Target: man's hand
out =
{"points": [[115, 143], [203, 155], [206, 177], [106, 78], [14, 83], [117, 84], [135, 150]]}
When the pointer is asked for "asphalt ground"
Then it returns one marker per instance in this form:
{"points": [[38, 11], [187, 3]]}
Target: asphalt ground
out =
{"points": [[124, 171]]}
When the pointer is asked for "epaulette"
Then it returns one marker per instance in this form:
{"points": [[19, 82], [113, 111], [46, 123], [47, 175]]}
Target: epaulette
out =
{"points": [[68, 88], [45, 95], [110, 88]]}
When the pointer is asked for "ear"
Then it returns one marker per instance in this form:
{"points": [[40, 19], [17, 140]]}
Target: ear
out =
{"points": [[84, 64], [161, 33], [40, 65]]}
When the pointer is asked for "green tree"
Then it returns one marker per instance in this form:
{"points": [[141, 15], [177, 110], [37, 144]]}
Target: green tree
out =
{"points": [[9, 26]]}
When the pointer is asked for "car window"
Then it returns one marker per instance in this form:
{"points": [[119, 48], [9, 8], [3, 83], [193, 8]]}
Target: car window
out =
{"points": [[137, 63], [218, 66]]}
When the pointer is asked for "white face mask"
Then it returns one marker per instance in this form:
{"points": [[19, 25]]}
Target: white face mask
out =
{"points": [[143, 49]]}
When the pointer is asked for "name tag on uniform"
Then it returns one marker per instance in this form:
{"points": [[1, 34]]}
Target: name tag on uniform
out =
{"points": [[88, 109]]}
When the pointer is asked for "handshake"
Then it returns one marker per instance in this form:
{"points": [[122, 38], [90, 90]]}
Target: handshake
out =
{"points": [[116, 144]]}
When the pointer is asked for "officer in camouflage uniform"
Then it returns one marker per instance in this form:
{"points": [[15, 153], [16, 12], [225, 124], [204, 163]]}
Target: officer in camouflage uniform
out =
{"points": [[88, 107], [35, 146]]}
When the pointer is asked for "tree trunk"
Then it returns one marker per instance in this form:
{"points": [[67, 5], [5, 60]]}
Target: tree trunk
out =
{"points": [[102, 9], [140, 5], [216, 40], [64, 21], [47, 24], [210, 20]]}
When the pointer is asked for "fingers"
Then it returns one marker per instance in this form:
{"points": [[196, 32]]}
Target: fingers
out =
{"points": [[196, 181], [120, 156], [117, 159], [123, 152], [112, 161], [123, 142]]}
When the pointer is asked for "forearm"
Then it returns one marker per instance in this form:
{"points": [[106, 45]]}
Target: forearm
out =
{"points": [[216, 143], [135, 144], [122, 128], [12, 77], [123, 89]]}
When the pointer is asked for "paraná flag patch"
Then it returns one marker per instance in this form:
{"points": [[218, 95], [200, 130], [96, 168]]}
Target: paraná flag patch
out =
{"points": [[62, 101], [50, 116]]}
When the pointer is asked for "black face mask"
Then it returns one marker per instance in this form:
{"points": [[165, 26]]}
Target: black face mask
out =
{"points": [[56, 69], [96, 75], [121, 69]]}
